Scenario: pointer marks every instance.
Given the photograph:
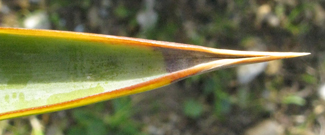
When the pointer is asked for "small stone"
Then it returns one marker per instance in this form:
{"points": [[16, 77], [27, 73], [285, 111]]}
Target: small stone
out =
{"points": [[148, 17], [321, 92], [266, 127], [247, 73], [37, 20]]}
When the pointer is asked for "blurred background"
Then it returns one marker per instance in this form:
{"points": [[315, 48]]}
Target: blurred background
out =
{"points": [[284, 97]]}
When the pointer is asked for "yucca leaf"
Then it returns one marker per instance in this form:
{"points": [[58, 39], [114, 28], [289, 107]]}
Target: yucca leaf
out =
{"points": [[44, 71]]}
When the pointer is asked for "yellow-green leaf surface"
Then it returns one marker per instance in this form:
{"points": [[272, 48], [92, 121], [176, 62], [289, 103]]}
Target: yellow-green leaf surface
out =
{"points": [[43, 71]]}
